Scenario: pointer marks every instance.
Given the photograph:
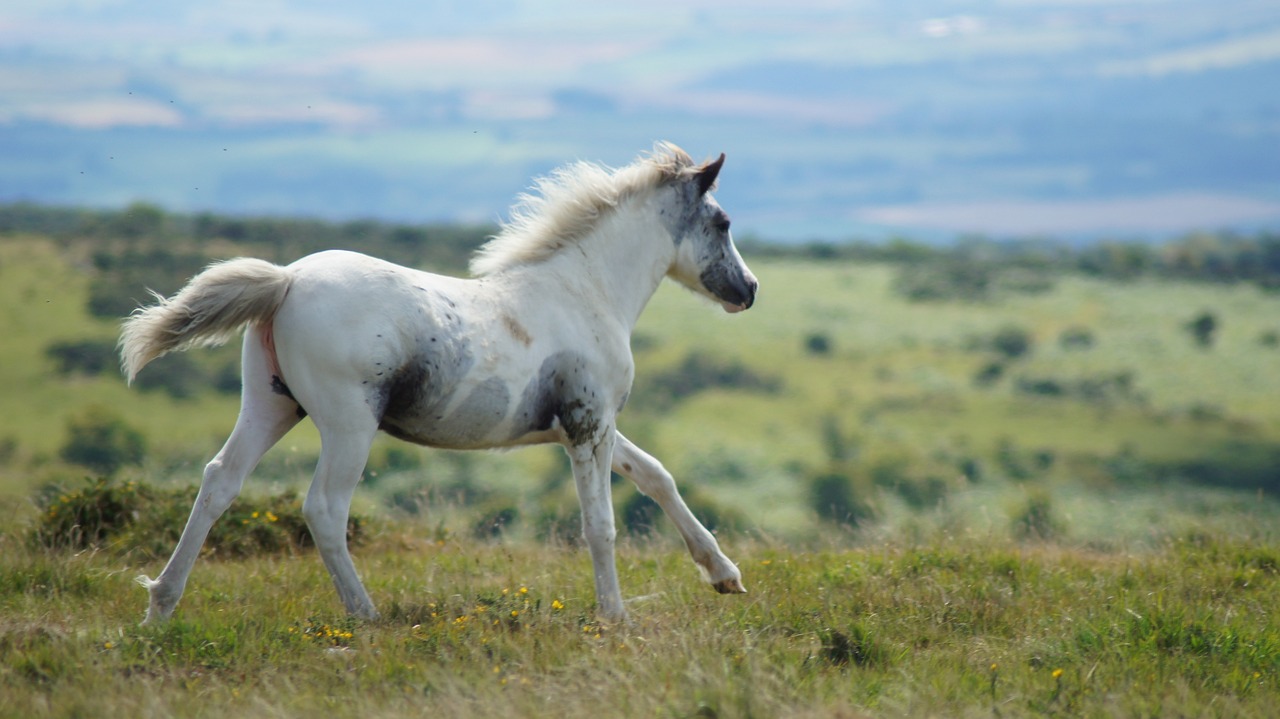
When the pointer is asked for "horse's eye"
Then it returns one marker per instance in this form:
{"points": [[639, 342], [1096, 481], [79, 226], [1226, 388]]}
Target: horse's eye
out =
{"points": [[722, 224]]}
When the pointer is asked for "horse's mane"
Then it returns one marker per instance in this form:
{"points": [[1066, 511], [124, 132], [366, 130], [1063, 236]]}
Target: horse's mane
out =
{"points": [[566, 205]]}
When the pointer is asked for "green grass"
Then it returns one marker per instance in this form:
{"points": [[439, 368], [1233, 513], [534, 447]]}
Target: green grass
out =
{"points": [[971, 627]]}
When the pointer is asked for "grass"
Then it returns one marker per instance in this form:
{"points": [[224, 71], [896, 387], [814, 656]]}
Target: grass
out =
{"points": [[972, 627]]}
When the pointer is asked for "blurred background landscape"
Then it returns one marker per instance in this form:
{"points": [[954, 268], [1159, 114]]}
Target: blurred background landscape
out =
{"points": [[1066, 118], [1019, 259]]}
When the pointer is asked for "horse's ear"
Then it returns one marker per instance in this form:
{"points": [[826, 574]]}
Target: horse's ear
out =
{"points": [[707, 175]]}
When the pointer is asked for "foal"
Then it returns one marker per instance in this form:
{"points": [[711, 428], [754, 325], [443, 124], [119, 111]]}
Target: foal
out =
{"points": [[534, 349]]}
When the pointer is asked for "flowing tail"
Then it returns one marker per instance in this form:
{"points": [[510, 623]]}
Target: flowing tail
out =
{"points": [[214, 306]]}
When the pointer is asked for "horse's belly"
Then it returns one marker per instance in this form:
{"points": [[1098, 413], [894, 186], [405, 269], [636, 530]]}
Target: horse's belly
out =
{"points": [[480, 419]]}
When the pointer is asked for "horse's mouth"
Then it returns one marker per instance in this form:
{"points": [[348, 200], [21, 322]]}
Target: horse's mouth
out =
{"points": [[732, 308]]}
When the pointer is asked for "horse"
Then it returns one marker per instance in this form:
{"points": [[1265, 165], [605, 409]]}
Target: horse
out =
{"points": [[533, 348]]}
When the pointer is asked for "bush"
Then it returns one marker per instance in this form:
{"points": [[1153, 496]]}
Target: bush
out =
{"points": [[817, 344], [101, 441], [697, 373], [988, 374], [1012, 342], [495, 521], [855, 647], [836, 496], [1076, 338], [1203, 328], [83, 518], [1035, 520], [87, 357], [639, 514], [139, 518], [177, 375], [951, 280]]}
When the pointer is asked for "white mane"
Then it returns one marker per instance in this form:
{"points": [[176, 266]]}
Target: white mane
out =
{"points": [[565, 205]]}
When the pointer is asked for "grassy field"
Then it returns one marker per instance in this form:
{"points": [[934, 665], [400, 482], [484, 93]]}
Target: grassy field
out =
{"points": [[1091, 533], [974, 626]]}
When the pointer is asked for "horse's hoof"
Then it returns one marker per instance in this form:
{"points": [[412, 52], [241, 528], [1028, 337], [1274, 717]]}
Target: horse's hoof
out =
{"points": [[730, 586]]}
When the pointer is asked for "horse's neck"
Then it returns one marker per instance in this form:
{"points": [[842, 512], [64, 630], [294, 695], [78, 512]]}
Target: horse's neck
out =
{"points": [[616, 268]]}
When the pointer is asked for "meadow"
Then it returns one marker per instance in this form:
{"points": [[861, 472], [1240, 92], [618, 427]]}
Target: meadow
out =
{"points": [[1053, 500]]}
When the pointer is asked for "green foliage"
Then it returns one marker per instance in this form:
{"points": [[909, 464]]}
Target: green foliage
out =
{"points": [[1012, 343], [102, 441], [957, 280], [699, 372], [86, 357], [855, 647], [842, 495], [1036, 519], [87, 517], [639, 514], [1203, 328], [1076, 338], [140, 519], [817, 344]]}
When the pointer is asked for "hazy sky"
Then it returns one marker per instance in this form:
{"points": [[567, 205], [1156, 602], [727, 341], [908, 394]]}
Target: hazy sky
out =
{"points": [[840, 118]]}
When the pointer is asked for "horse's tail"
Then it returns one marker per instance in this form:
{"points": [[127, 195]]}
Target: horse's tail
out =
{"points": [[214, 306]]}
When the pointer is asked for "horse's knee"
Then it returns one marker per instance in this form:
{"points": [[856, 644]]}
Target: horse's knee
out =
{"points": [[219, 487]]}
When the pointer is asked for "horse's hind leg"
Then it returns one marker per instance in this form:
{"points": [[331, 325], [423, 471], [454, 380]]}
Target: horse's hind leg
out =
{"points": [[654, 480], [344, 450], [265, 417]]}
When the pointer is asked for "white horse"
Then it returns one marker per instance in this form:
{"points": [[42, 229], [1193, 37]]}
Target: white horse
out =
{"points": [[534, 349]]}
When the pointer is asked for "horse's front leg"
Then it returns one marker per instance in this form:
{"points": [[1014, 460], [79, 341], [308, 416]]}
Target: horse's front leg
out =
{"points": [[590, 459], [654, 480]]}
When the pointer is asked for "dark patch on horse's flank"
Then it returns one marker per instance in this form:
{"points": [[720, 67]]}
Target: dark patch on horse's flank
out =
{"points": [[517, 330], [279, 387], [549, 398], [403, 390]]}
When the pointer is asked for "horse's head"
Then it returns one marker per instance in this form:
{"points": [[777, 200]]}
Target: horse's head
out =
{"points": [[706, 260]]}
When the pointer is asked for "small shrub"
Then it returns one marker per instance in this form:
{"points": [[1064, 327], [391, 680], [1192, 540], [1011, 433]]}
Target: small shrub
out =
{"points": [[177, 375], [1203, 328], [86, 357], [700, 372], [919, 489], [495, 521], [1076, 338], [139, 518], [836, 496], [81, 518], [559, 523], [1012, 342], [639, 514], [101, 441], [1035, 520], [954, 280], [817, 344], [855, 647], [989, 374]]}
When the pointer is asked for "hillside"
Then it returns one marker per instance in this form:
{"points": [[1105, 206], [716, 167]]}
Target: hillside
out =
{"points": [[1088, 393]]}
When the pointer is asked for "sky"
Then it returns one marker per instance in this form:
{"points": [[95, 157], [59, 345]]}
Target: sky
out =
{"points": [[937, 119]]}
